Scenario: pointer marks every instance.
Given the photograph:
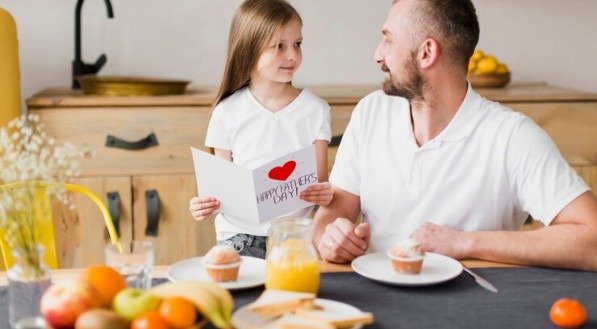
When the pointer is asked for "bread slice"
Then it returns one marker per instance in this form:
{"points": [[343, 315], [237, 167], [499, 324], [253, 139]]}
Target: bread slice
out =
{"points": [[292, 321], [277, 302], [336, 319]]}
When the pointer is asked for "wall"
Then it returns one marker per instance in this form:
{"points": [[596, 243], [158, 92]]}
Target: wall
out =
{"points": [[541, 40]]}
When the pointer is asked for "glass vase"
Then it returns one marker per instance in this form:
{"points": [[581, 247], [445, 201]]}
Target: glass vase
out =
{"points": [[28, 279]]}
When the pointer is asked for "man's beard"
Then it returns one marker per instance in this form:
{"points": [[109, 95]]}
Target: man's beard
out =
{"points": [[410, 88]]}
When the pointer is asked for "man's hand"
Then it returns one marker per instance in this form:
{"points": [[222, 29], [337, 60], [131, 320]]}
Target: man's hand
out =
{"points": [[320, 194], [342, 241], [442, 240]]}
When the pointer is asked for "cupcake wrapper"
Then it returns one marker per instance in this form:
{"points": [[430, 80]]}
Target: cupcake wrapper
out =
{"points": [[408, 267], [411, 265], [223, 275]]}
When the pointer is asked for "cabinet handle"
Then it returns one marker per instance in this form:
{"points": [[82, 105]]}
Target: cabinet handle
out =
{"points": [[149, 141], [114, 209], [152, 204], [335, 142]]}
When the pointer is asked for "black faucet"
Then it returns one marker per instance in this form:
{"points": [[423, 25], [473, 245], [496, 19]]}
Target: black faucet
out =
{"points": [[79, 67]]}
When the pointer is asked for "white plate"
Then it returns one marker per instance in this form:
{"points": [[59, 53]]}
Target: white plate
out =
{"points": [[436, 269], [251, 272], [244, 318]]}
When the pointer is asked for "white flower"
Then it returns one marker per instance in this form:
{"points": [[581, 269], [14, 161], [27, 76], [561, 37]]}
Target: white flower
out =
{"points": [[27, 155]]}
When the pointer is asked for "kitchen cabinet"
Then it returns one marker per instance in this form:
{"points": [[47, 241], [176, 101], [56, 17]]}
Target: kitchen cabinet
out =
{"points": [[164, 172], [152, 183]]}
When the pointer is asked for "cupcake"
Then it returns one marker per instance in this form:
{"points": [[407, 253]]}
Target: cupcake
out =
{"points": [[407, 256], [222, 263]]}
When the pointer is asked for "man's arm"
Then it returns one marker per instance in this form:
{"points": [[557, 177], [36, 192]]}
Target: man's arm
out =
{"points": [[336, 237], [570, 241]]}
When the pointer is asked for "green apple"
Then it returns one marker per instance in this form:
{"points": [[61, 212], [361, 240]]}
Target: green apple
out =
{"points": [[132, 302]]}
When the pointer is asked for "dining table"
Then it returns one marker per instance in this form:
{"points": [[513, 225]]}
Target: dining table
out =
{"points": [[524, 298]]}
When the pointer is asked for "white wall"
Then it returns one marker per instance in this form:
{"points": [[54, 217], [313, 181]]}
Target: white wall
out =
{"points": [[541, 40]]}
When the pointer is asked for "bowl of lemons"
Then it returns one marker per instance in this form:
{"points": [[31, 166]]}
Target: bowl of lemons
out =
{"points": [[485, 71]]}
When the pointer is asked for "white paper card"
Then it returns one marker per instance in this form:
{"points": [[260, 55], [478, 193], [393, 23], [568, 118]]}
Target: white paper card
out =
{"points": [[260, 194]]}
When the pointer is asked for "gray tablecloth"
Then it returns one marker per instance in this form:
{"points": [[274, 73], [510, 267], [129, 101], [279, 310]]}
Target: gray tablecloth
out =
{"points": [[524, 299], [525, 296]]}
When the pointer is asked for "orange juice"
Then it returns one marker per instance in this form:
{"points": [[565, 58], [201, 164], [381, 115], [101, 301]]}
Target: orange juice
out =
{"points": [[290, 267]]}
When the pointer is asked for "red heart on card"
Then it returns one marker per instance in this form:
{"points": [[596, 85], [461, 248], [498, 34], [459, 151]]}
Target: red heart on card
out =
{"points": [[282, 172]]}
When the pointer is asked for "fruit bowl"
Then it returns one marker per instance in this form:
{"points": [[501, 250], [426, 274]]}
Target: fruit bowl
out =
{"points": [[489, 80], [99, 298]]}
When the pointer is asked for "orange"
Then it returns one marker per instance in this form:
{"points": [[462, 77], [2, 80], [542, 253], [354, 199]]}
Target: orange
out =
{"points": [[568, 313], [178, 312], [105, 280], [149, 320]]}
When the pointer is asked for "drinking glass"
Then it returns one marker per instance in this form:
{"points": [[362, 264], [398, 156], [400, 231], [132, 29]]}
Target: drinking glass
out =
{"points": [[134, 263]]}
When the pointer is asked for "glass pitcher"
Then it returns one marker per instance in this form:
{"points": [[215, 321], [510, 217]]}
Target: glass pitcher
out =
{"points": [[291, 259]]}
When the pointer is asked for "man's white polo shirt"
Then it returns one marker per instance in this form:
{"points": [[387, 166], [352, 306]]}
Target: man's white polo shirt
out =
{"points": [[487, 170]]}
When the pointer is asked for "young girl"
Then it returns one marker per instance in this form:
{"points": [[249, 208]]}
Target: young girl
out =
{"points": [[259, 116]]}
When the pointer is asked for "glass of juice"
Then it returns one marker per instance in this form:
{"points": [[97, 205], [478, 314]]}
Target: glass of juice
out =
{"points": [[291, 259]]}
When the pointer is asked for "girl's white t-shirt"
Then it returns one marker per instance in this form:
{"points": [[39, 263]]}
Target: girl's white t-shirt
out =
{"points": [[256, 135]]}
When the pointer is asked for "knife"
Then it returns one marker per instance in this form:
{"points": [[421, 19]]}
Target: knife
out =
{"points": [[481, 281]]}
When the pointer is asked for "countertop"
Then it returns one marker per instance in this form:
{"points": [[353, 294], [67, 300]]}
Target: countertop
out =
{"points": [[335, 95]]}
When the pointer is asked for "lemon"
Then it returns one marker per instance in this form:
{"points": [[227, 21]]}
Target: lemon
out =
{"points": [[502, 69], [477, 55], [472, 65], [486, 65]]}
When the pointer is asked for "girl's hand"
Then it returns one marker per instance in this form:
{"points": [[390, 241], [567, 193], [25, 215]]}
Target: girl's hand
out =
{"points": [[203, 207], [320, 194]]}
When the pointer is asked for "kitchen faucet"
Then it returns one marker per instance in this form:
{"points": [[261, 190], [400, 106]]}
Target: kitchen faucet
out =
{"points": [[79, 67]]}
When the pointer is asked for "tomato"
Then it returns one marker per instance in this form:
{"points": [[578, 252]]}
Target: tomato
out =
{"points": [[568, 313], [149, 320]]}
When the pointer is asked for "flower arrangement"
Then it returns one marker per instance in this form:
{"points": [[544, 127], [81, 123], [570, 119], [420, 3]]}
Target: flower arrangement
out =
{"points": [[27, 153], [34, 168]]}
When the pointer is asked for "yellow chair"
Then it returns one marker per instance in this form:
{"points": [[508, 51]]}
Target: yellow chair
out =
{"points": [[43, 216], [10, 94]]}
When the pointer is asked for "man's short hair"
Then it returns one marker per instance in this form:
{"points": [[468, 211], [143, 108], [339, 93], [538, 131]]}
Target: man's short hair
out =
{"points": [[452, 22]]}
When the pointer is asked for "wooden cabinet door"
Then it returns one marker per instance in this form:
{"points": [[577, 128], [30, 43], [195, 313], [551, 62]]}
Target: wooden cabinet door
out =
{"points": [[178, 235], [80, 233]]}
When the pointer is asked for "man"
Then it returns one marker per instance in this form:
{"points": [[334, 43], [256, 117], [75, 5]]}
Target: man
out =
{"points": [[445, 166]]}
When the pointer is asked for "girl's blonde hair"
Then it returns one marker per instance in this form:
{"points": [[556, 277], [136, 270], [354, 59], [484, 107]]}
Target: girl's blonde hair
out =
{"points": [[253, 26]]}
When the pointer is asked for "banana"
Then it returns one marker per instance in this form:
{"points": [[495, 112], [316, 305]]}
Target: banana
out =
{"points": [[210, 305], [224, 297]]}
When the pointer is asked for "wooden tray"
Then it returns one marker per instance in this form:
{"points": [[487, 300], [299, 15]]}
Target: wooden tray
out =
{"points": [[130, 86], [491, 80]]}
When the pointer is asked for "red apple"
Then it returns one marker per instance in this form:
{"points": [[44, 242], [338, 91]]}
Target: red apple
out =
{"points": [[62, 303]]}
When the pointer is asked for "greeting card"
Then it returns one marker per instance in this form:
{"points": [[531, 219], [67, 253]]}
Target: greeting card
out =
{"points": [[260, 194]]}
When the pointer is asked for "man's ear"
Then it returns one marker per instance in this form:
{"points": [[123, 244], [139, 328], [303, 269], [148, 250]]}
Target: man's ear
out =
{"points": [[429, 53]]}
